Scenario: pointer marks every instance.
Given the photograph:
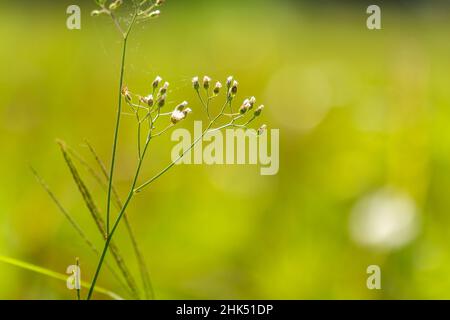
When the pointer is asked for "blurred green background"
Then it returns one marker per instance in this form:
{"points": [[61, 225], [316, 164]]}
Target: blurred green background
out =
{"points": [[364, 125]]}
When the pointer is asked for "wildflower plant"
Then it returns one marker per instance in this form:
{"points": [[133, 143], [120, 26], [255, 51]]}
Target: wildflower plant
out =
{"points": [[154, 117]]}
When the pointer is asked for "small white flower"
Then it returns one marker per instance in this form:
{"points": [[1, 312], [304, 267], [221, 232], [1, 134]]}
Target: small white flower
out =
{"points": [[229, 81], [180, 112], [195, 83], [148, 100], [217, 87], [258, 111], [164, 88], [156, 82], [154, 14], [206, 81]]}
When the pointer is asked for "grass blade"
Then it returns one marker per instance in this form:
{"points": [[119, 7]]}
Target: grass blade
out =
{"points": [[95, 213], [54, 275], [75, 225]]}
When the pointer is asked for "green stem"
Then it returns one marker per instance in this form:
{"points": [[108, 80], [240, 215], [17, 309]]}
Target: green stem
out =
{"points": [[121, 213], [142, 186], [119, 111], [116, 134]]}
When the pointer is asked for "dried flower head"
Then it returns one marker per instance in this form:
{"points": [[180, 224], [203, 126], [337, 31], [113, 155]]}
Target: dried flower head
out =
{"points": [[126, 93], [206, 82]]}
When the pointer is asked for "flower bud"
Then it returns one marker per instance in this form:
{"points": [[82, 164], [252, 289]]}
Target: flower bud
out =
{"points": [[161, 101], [252, 101], [148, 100], [164, 88], [116, 4], [245, 106], [229, 81], [181, 106], [159, 2], [217, 87], [258, 111], [180, 114], [195, 83], [262, 129], [206, 81], [156, 82], [126, 93], [95, 13], [234, 87], [154, 14]]}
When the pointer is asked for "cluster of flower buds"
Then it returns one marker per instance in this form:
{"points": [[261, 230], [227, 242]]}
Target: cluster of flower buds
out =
{"points": [[149, 12], [247, 105], [150, 100], [180, 112]]}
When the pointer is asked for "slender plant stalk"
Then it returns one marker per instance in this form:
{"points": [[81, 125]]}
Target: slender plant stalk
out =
{"points": [[116, 135], [77, 287], [118, 116], [122, 211], [134, 190], [53, 274], [148, 287]]}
